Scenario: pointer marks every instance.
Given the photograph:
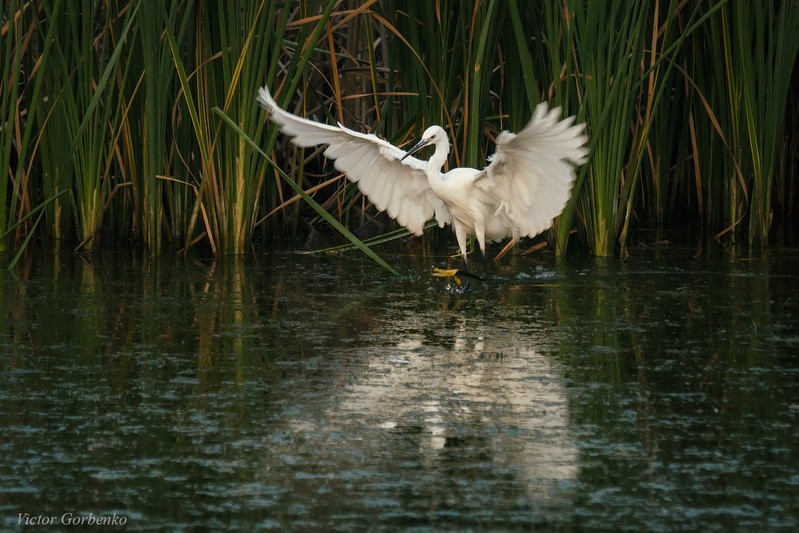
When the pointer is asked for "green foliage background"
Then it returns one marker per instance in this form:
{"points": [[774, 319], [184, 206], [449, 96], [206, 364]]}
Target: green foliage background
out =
{"points": [[115, 116]]}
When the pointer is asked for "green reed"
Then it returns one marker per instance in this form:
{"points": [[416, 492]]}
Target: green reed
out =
{"points": [[156, 203], [93, 111], [13, 51], [113, 115], [609, 40], [767, 37], [739, 125], [20, 101]]}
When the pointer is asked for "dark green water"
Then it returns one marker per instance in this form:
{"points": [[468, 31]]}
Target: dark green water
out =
{"points": [[657, 393]]}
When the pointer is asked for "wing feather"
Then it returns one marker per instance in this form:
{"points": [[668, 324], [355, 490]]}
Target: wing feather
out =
{"points": [[398, 187], [532, 173]]}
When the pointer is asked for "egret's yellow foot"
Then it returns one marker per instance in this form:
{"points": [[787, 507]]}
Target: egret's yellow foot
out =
{"points": [[445, 272], [450, 273], [456, 275]]}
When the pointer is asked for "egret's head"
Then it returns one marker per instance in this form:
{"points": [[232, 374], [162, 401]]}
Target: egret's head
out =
{"points": [[433, 135]]}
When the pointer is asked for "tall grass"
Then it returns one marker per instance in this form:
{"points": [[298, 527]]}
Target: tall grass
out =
{"points": [[80, 93], [108, 132], [767, 45], [741, 164], [146, 131], [20, 99], [609, 40]]}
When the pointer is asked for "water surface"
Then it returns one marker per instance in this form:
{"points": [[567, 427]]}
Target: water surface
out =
{"points": [[659, 392]]}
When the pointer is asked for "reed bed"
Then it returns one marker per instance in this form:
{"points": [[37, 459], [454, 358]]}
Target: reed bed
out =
{"points": [[123, 121]]}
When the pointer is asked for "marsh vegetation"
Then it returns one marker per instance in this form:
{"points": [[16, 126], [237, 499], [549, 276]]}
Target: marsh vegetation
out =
{"points": [[116, 116]]}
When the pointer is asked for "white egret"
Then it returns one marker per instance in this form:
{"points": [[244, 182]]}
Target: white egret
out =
{"points": [[525, 186]]}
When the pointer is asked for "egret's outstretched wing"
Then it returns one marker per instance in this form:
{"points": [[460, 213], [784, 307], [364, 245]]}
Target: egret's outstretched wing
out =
{"points": [[532, 172], [398, 187]]}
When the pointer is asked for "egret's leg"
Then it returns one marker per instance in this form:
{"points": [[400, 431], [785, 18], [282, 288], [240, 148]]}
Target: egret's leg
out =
{"points": [[480, 234], [460, 235], [506, 249]]}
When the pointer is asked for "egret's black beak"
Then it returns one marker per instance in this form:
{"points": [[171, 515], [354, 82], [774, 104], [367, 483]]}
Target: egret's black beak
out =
{"points": [[416, 147]]}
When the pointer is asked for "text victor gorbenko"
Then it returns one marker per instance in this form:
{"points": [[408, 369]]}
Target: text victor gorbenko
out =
{"points": [[71, 519]]}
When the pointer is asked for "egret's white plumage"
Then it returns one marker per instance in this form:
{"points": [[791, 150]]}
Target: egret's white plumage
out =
{"points": [[525, 186]]}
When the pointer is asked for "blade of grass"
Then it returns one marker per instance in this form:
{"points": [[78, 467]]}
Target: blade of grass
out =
{"points": [[41, 210], [393, 235]]}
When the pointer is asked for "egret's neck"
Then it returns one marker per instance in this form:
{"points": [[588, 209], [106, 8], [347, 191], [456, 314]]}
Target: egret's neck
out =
{"points": [[436, 162]]}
